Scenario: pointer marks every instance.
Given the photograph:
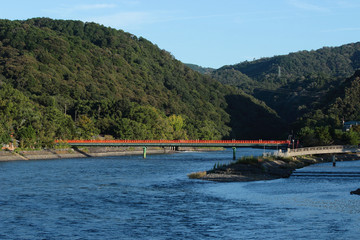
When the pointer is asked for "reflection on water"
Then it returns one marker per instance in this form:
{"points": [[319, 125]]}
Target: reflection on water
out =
{"points": [[134, 198]]}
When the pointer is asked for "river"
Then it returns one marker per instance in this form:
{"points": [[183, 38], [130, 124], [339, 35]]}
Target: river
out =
{"points": [[129, 197]]}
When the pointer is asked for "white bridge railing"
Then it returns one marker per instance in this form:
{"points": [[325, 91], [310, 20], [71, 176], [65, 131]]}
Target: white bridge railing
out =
{"points": [[318, 150]]}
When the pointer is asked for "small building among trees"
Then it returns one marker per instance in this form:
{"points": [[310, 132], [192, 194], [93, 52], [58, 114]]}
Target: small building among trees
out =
{"points": [[348, 125]]}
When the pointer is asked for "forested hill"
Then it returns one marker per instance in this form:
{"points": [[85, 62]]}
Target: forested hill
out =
{"points": [[323, 125], [69, 79], [324, 65], [290, 84]]}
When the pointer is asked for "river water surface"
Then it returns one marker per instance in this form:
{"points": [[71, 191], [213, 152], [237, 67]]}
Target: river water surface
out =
{"points": [[133, 198]]}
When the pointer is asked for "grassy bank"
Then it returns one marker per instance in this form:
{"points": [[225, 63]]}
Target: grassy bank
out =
{"points": [[263, 168]]}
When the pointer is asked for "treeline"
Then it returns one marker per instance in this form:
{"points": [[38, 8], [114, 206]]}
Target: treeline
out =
{"points": [[35, 125], [68, 79]]}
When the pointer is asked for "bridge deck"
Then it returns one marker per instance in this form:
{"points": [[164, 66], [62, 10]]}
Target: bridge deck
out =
{"points": [[179, 143]]}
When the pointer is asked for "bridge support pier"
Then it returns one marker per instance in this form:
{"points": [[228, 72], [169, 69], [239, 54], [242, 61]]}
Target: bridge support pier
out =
{"points": [[234, 153], [144, 152]]}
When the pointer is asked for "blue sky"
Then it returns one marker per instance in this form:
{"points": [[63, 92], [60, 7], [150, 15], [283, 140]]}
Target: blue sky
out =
{"points": [[212, 33]]}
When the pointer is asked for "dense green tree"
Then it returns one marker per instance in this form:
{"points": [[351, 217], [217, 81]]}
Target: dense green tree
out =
{"points": [[351, 137], [86, 127], [178, 126], [27, 137]]}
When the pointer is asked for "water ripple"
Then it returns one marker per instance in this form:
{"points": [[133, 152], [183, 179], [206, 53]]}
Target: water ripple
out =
{"points": [[131, 198]]}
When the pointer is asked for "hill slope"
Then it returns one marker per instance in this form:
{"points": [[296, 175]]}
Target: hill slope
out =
{"points": [[91, 79], [290, 84], [323, 125]]}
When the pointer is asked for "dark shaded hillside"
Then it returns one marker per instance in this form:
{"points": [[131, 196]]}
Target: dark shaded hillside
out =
{"points": [[293, 83], [254, 120], [347, 99], [323, 125], [102, 80]]}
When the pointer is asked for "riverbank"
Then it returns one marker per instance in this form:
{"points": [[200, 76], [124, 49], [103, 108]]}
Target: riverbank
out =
{"points": [[85, 152], [256, 169], [78, 153]]}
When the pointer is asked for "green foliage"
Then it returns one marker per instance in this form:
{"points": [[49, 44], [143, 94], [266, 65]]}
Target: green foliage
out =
{"points": [[297, 83], [200, 69], [27, 137], [86, 128], [4, 135], [247, 160], [351, 137], [69, 79], [178, 124], [32, 124], [319, 127], [307, 89], [313, 68]]}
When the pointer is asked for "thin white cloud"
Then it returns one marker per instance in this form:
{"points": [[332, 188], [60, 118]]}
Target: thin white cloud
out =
{"points": [[130, 2], [173, 17], [125, 20], [93, 6], [348, 4], [308, 6], [66, 11], [138, 19]]}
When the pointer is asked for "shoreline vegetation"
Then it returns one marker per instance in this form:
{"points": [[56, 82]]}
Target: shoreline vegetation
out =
{"points": [[248, 169]]}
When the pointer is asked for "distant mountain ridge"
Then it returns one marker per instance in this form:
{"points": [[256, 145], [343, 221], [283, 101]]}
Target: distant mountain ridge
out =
{"points": [[292, 84], [278, 71]]}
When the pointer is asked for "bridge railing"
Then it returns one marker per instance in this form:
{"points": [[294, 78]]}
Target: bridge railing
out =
{"points": [[307, 149], [273, 142], [320, 150]]}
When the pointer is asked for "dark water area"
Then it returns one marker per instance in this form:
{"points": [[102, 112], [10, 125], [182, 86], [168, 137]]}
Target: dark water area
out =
{"points": [[129, 197]]}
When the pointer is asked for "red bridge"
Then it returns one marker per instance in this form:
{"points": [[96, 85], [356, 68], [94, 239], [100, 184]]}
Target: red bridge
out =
{"points": [[180, 143]]}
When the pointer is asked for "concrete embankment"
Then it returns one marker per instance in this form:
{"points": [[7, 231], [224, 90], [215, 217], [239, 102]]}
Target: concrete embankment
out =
{"points": [[78, 153]]}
